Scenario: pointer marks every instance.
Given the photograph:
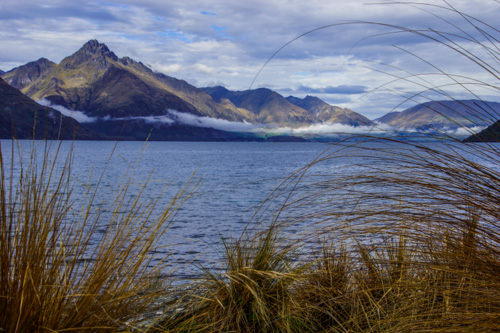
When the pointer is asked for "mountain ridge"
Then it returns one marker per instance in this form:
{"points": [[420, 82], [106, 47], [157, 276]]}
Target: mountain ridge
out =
{"points": [[329, 113], [444, 114]]}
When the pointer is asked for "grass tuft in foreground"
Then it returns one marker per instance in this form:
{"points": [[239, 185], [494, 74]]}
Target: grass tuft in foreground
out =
{"points": [[57, 272]]}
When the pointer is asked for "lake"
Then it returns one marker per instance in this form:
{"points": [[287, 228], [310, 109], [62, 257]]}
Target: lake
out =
{"points": [[235, 177]]}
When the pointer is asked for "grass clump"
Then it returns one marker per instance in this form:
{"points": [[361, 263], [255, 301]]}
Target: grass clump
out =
{"points": [[57, 272], [412, 239], [250, 294]]}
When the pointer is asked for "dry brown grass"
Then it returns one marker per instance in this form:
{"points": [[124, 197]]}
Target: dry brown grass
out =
{"points": [[51, 277]]}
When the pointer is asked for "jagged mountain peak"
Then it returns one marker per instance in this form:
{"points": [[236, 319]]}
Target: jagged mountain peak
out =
{"points": [[308, 102], [92, 51], [22, 76], [93, 47], [310, 98]]}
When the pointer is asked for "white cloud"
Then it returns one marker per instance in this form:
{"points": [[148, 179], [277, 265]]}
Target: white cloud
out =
{"points": [[220, 124], [148, 119], [234, 126], [79, 116], [464, 131]]}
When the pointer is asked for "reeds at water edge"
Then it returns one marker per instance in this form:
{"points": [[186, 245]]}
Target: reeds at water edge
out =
{"points": [[51, 277]]}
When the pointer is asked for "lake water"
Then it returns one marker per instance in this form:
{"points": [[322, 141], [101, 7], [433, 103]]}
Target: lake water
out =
{"points": [[234, 177]]}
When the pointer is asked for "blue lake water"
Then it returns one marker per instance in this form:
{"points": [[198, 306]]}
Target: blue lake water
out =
{"points": [[235, 177]]}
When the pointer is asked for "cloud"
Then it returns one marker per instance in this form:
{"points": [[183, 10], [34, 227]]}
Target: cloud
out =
{"points": [[220, 124], [79, 116], [176, 117], [234, 126], [179, 36], [332, 129], [148, 119], [340, 90]]}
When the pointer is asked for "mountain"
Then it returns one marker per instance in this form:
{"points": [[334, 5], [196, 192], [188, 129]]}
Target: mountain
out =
{"points": [[95, 80], [268, 106], [329, 113], [112, 90], [1, 72], [444, 114], [490, 134], [26, 74], [123, 98], [19, 114]]}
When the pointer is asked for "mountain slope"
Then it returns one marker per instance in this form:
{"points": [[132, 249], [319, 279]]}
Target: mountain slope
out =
{"points": [[26, 74], [490, 134], [444, 114], [267, 106], [116, 90], [329, 113], [19, 114]]}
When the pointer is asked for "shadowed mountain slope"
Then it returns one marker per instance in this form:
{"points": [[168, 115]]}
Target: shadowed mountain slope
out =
{"points": [[20, 117]]}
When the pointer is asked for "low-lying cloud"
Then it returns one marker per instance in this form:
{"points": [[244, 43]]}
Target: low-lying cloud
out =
{"points": [[340, 90], [319, 129], [236, 126], [79, 116]]}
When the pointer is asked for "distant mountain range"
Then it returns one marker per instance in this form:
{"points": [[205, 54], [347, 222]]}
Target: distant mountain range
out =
{"points": [[115, 97], [444, 114]]}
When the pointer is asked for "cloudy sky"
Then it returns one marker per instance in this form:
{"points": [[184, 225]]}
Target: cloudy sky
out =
{"points": [[356, 54]]}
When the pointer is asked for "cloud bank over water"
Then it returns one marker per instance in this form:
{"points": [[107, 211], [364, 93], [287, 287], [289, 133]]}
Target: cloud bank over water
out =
{"points": [[188, 119], [173, 117]]}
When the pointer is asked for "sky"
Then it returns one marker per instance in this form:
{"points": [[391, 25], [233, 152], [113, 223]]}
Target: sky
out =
{"points": [[370, 56]]}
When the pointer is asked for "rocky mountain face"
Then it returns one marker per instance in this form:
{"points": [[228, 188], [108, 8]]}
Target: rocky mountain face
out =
{"points": [[444, 115], [29, 73], [96, 81], [19, 114]]}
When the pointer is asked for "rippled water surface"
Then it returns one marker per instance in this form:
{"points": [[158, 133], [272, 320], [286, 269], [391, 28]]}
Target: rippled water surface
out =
{"points": [[234, 179]]}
